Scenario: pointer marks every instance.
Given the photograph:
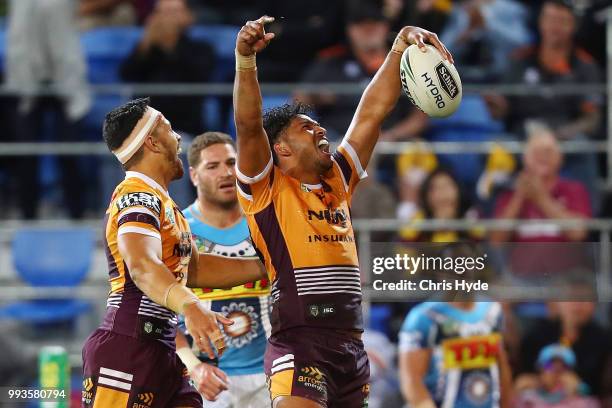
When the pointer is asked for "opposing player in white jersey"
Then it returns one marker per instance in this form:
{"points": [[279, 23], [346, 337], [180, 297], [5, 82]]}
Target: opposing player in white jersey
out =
{"points": [[236, 379]]}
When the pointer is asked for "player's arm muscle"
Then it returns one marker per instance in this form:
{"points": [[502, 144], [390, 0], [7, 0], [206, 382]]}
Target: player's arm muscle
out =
{"points": [[377, 101], [224, 272], [253, 148], [413, 366], [143, 256], [383, 91]]}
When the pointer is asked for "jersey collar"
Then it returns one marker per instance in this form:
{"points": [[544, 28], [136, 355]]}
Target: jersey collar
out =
{"points": [[148, 180]]}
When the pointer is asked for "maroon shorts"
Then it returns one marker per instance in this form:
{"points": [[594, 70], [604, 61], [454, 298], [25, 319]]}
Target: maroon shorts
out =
{"points": [[318, 364], [121, 371]]}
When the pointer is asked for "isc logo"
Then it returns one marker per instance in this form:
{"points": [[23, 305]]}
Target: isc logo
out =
{"points": [[471, 352]]}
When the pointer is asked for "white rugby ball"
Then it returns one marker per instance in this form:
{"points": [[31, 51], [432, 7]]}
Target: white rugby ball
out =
{"points": [[431, 82]]}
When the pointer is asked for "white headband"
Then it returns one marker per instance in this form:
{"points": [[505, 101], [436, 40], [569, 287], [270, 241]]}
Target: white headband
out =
{"points": [[142, 129]]}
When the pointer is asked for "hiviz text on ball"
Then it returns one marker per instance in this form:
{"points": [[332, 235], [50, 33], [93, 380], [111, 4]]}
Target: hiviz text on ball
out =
{"points": [[431, 82]]}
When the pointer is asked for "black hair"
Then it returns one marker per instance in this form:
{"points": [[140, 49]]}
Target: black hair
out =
{"points": [[567, 4], [426, 187], [119, 123], [277, 119]]}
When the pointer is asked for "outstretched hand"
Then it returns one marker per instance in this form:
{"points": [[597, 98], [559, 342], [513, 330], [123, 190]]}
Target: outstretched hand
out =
{"points": [[252, 37], [420, 37]]}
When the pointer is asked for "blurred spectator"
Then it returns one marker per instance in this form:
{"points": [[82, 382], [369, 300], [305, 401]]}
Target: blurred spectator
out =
{"points": [[43, 50], [166, 54], [233, 12], [413, 166], [373, 199], [573, 325], [367, 32], [429, 14], [539, 193], [592, 29], [556, 384], [555, 60], [302, 28], [482, 34], [105, 13], [497, 175], [441, 197]]}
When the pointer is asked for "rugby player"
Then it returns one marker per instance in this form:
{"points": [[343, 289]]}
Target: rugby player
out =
{"points": [[452, 355], [219, 227], [296, 195], [130, 360]]}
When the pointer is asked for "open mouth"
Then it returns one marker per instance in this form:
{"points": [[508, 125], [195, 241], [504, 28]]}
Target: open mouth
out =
{"points": [[227, 186], [323, 146]]}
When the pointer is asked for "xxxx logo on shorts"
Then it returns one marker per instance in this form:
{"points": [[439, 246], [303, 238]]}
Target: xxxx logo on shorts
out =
{"points": [[313, 372], [146, 398], [87, 393], [311, 377]]}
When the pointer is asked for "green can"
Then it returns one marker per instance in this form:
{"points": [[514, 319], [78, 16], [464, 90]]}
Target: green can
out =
{"points": [[54, 373]]}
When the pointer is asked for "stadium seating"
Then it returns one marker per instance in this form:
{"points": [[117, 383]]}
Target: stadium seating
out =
{"points": [[50, 258], [472, 122]]}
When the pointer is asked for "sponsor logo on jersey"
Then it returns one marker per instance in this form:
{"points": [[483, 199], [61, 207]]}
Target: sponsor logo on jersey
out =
{"points": [[333, 216], [448, 83], [471, 352], [141, 198]]}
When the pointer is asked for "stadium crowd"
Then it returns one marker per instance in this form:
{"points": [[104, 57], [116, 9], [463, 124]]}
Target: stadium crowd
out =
{"points": [[559, 352]]}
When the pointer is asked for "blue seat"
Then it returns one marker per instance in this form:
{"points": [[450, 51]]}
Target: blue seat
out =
{"points": [[48, 258], [105, 49], [472, 122], [268, 102], [223, 39]]}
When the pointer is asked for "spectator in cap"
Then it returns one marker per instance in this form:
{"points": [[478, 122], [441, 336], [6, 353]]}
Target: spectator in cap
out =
{"points": [[556, 383], [367, 31], [555, 60]]}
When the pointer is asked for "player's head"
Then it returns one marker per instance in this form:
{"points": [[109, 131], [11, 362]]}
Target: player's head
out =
{"points": [[542, 156], [138, 134], [297, 140], [557, 23], [212, 161]]}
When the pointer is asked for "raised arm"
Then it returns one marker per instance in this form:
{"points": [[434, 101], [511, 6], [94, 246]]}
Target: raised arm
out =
{"points": [[253, 149], [383, 91]]}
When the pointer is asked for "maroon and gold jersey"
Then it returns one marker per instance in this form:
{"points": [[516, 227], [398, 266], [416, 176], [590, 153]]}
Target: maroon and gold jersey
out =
{"points": [[140, 205], [305, 237]]}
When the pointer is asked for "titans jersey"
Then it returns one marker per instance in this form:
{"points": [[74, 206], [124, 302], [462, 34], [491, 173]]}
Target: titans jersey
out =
{"points": [[248, 305], [304, 234], [465, 344], [140, 205]]}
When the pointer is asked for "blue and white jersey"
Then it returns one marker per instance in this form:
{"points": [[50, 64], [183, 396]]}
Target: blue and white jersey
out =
{"points": [[465, 345], [248, 305]]}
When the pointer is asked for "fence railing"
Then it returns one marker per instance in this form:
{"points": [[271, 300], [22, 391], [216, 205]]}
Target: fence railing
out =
{"points": [[364, 228]]}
